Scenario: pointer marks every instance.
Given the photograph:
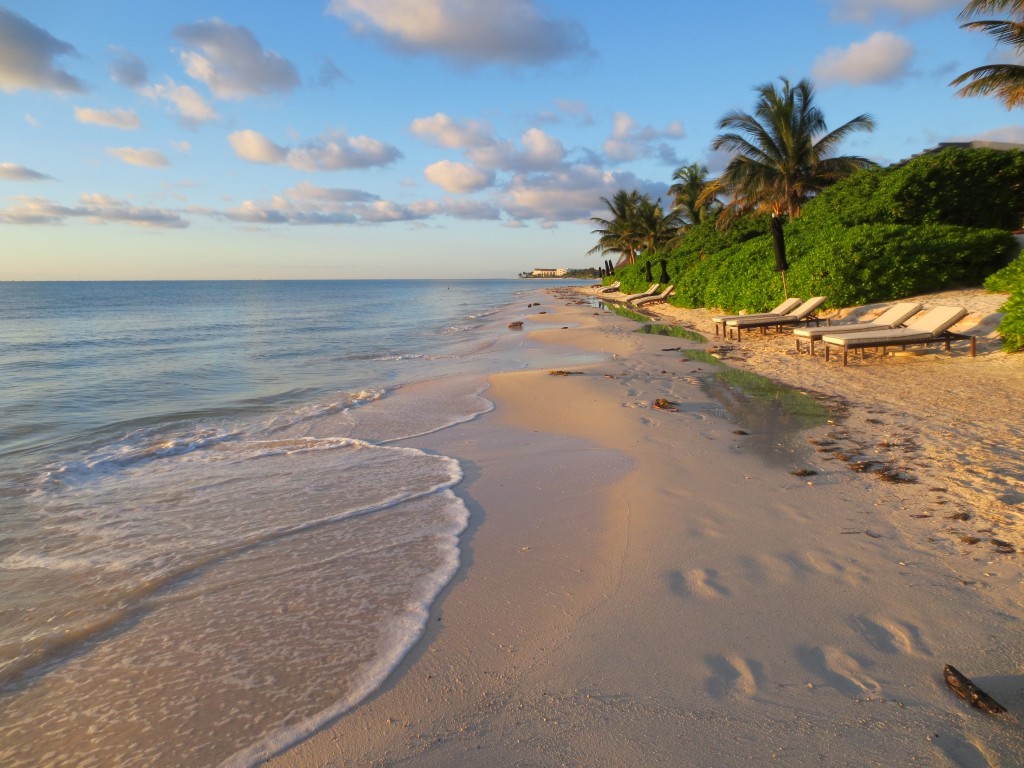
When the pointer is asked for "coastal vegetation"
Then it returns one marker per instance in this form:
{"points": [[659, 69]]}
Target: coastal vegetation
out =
{"points": [[853, 231]]}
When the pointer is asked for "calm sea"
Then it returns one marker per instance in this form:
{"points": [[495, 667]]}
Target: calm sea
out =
{"points": [[210, 543]]}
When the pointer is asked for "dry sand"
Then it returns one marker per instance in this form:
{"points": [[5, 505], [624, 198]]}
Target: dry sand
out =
{"points": [[641, 588]]}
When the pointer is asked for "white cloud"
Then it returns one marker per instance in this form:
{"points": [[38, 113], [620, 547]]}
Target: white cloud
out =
{"points": [[458, 178], [333, 153], [866, 11], [231, 61], [881, 58], [469, 31], [27, 54], [14, 172], [95, 208], [1010, 134], [146, 158], [31, 120], [191, 108], [628, 142], [442, 131], [125, 119]]}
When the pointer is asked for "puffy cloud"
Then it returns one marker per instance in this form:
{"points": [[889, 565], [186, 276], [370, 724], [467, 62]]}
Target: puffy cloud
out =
{"points": [[306, 191], [570, 194], [458, 177], [191, 108], [322, 154], [881, 58], [442, 131], [146, 158], [866, 11], [471, 210], [127, 69], [125, 119], [628, 142], [96, 208], [231, 61], [14, 172], [468, 31], [27, 54]]}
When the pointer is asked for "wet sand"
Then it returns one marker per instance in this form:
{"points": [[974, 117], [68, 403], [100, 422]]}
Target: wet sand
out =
{"points": [[645, 587]]}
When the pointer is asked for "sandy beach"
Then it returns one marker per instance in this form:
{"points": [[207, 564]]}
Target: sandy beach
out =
{"points": [[660, 587]]}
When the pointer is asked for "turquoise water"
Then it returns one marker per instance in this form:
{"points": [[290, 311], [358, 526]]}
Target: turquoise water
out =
{"points": [[211, 543]]}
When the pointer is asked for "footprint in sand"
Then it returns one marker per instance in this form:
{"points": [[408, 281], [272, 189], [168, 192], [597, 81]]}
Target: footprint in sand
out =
{"points": [[733, 676], [891, 636], [837, 669], [704, 582]]}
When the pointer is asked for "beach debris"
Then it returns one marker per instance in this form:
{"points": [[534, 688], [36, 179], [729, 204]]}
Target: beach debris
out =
{"points": [[516, 324], [740, 432], [664, 405], [960, 516], [964, 688], [1003, 547], [565, 373], [802, 472], [968, 539]]}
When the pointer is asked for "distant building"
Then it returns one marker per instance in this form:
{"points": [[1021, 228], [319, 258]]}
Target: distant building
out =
{"points": [[560, 272]]}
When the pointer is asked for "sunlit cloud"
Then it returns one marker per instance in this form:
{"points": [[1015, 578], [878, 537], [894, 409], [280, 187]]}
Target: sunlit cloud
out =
{"points": [[442, 131], [231, 61], [27, 55], [15, 172], [333, 153], [630, 142], [866, 11], [125, 119], [881, 58], [458, 178], [146, 158], [94, 208], [467, 31], [189, 106], [127, 69]]}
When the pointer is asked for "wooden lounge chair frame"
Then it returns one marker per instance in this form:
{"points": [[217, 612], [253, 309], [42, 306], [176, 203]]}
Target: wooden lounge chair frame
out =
{"points": [[878, 340], [802, 314], [663, 296], [893, 317], [784, 308]]}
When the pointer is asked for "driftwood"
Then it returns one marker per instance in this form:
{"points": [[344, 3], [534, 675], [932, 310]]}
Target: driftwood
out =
{"points": [[965, 689]]}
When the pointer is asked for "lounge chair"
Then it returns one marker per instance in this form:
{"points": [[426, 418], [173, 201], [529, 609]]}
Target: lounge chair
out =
{"points": [[802, 314], [784, 308], [927, 328], [633, 296], [663, 296], [609, 288], [893, 317]]}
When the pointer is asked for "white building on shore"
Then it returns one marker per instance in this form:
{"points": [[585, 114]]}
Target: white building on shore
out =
{"points": [[559, 272]]}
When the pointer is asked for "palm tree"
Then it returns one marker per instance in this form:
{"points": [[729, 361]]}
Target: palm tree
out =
{"points": [[1004, 81], [617, 233], [636, 224], [691, 198], [782, 151]]}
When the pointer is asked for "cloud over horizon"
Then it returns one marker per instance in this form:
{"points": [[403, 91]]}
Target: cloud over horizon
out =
{"points": [[96, 208], [124, 119], [881, 58], [145, 158], [333, 153], [27, 54], [467, 31], [231, 61]]}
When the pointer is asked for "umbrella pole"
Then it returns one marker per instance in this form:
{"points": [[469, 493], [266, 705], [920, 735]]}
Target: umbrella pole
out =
{"points": [[785, 290]]}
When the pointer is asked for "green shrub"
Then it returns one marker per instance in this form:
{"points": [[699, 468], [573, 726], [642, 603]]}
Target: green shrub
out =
{"points": [[968, 187], [1011, 279]]}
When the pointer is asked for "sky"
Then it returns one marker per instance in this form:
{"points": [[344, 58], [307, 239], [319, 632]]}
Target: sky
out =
{"points": [[347, 139]]}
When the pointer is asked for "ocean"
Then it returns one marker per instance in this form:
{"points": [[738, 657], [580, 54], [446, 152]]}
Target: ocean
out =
{"points": [[211, 543]]}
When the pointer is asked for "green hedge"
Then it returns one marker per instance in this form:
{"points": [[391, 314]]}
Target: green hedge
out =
{"points": [[1011, 279]]}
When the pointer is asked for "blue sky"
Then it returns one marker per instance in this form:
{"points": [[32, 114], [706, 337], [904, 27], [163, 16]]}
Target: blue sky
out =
{"points": [[417, 138]]}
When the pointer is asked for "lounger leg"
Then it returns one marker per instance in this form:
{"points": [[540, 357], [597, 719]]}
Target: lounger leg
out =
{"points": [[845, 351], [973, 346], [812, 346], [826, 353]]}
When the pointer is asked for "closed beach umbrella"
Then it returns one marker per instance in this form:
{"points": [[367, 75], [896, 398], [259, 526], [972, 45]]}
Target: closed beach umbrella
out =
{"points": [[647, 272], [780, 251], [664, 272]]}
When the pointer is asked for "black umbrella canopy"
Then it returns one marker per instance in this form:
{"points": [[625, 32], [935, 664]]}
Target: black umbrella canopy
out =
{"points": [[780, 244]]}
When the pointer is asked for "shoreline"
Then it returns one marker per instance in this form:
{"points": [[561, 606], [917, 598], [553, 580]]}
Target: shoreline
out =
{"points": [[638, 589]]}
